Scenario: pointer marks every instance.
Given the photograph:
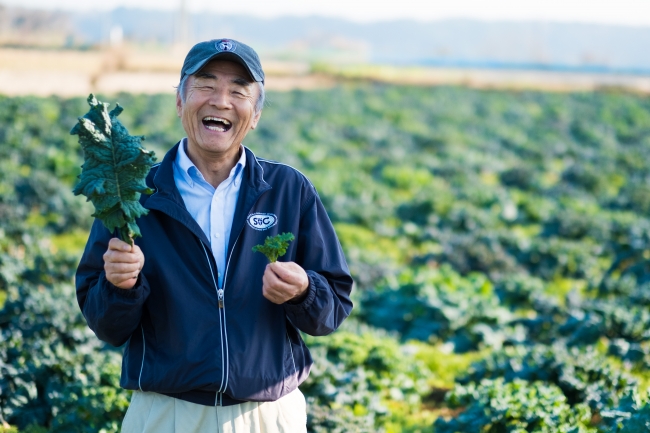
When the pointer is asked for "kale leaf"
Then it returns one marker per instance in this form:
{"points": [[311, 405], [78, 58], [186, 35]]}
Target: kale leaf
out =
{"points": [[274, 246], [114, 169]]}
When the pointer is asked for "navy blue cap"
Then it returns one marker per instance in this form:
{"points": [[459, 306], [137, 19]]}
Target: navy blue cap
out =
{"points": [[224, 49]]}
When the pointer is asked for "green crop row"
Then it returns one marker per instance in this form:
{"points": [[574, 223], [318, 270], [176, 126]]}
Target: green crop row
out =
{"points": [[500, 242]]}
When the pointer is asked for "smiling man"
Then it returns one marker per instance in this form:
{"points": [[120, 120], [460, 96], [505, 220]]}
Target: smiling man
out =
{"points": [[211, 331]]}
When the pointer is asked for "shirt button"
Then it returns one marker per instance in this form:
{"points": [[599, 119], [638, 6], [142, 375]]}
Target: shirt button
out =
{"points": [[216, 235]]}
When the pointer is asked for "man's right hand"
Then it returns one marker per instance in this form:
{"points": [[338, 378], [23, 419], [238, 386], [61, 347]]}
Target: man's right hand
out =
{"points": [[123, 263]]}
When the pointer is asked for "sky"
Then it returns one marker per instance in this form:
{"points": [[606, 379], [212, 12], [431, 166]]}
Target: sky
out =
{"points": [[623, 12]]}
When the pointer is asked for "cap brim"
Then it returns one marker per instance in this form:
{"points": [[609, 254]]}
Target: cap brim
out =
{"points": [[227, 56]]}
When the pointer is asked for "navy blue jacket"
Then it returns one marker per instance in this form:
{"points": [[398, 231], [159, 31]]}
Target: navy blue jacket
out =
{"points": [[179, 340]]}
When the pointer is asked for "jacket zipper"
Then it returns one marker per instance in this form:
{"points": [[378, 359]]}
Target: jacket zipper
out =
{"points": [[220, 296], [221, 327], [222, 323]]}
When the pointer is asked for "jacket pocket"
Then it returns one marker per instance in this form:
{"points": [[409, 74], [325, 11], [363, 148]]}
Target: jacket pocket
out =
{"points": [[291, 346]]}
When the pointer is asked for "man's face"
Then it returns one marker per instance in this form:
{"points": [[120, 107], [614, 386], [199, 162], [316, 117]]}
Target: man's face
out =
{"points": [[219, 109]]}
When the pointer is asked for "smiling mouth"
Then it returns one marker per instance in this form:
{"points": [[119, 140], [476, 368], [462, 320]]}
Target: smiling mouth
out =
{"points": [[216, 124]]}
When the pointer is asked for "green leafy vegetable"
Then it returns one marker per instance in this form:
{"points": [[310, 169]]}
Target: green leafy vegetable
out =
{"points": [[515, 407], [114, 169], [274, 246]]}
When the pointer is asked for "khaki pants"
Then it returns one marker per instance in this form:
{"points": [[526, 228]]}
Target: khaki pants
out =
{"points": [[150, 412]]}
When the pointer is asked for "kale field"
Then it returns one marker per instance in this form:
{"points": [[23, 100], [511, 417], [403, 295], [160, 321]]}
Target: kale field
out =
{"points": [[500, 244]]}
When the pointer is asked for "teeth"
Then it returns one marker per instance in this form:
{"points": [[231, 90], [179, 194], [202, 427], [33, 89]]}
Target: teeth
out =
{"points": [[217, 119]]}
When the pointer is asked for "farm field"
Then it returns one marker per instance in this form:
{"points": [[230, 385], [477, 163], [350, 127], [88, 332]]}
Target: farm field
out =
{"points": [[150, 70], [499, 240]]}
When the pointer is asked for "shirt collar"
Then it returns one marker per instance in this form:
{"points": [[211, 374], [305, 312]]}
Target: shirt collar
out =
{"points": [[191, 173], [237, 171]]}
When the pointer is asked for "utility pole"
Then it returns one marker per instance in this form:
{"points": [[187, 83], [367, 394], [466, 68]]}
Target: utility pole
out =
{"points": [[183, 25]]}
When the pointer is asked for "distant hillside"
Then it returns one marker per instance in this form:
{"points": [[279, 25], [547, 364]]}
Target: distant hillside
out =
{"points": [[448, 42], [530, 45]]}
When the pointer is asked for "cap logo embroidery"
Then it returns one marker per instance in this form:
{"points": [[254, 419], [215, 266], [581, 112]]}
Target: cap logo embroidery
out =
{"points": [[225, 45], [262, 221]]}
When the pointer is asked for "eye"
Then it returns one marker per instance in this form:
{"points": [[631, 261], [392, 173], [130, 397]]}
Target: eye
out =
{"points": [[203, 87]]}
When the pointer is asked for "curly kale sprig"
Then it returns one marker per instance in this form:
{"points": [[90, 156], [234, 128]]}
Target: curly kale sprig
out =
{"points": [[114, 169], [274, 246]]}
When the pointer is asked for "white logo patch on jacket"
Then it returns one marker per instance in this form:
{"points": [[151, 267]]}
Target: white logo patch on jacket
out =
{"points": [[262, 221]]}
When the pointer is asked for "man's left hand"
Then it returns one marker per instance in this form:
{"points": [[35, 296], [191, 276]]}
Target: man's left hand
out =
{"points": [[284, 281]]}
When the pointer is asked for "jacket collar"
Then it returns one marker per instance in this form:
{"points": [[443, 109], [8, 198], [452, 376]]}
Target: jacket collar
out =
{"points": [[249, 192], [163, 178], [168, 200]]}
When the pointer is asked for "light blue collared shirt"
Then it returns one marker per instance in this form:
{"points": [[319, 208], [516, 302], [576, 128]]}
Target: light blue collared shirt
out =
{"points": [[213, 209]]}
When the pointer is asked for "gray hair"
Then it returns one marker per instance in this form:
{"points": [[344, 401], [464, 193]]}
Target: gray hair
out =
{"points": [[259, 104]]}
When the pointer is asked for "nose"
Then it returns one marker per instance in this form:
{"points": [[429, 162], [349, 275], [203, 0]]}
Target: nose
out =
{"points": [[220, 98]]}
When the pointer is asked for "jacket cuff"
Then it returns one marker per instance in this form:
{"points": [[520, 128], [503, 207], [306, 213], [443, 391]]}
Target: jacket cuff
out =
{"points": [[309, 299], [137, 291]]}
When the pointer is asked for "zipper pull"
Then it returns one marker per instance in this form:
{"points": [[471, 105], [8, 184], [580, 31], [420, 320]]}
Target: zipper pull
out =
{"points": [[220, 295]]}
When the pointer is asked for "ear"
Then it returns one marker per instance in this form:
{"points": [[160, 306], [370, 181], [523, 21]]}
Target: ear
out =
{"points": [[179, 104], [256, 118]]}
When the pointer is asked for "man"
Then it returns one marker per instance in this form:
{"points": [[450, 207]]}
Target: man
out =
{"points": [[210, 329]]}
